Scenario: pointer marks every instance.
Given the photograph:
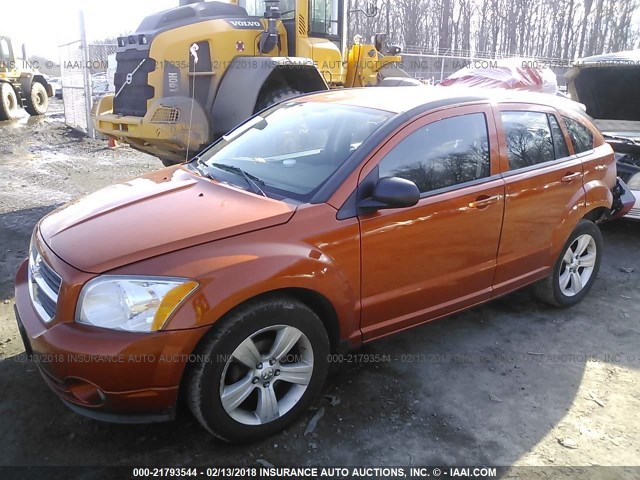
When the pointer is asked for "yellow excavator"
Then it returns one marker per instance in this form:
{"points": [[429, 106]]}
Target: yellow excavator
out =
{"points": [[190, 74]]}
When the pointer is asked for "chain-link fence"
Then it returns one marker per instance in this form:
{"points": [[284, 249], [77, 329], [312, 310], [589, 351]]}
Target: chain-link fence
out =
{"points": [[74, 89], [87, 72], [432, 66]]}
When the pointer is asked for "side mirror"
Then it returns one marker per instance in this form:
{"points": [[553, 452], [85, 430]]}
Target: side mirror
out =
{"points": [[392, 192]]}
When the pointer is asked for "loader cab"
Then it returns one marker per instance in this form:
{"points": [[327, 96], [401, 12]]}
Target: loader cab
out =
{"points": [[7, 59], [315, 29]]}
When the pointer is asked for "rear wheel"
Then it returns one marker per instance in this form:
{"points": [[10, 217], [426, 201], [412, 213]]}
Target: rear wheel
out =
{"points": [[575, 270], [259, 369], [277, 95], [8, 102], [38, 100]]}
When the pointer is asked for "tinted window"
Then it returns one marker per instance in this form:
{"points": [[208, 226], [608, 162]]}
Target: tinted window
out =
{"points": [[528, 138], [581, 136], [444, 153], [559, 143]]}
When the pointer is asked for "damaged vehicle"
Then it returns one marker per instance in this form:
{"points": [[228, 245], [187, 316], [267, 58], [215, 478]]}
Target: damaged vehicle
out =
{"points": [[609, 86], [320, 224]]}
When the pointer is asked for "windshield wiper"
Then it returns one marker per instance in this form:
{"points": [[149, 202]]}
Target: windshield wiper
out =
{"points": [[252, 180]]}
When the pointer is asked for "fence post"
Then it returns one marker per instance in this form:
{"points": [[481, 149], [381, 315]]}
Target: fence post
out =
{"points": [[86, 76]]}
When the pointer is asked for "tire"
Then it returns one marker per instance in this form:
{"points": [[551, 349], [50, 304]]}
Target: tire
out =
{"points": [[9, 104], [275, 96], [576, 268], [37, 101], [268, 395]]}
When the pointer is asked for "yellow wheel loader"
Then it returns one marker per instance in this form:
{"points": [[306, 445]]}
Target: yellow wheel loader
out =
{"points": [[20, 85], [190, 74]]}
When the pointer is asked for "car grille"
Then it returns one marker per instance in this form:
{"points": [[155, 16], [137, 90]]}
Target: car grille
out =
{"points": [[44, 286], [132, 99], [634, 212]]}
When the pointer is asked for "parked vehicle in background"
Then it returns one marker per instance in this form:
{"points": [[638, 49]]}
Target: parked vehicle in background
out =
{"points": [[608, 85], [320, 224], [56, 85], [20, 85]]}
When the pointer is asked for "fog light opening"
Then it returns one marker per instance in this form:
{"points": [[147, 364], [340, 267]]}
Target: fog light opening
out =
{"points": [[85, 392]]}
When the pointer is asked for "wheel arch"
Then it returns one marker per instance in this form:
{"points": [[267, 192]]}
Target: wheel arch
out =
{"points": [[597, 214], [238, 93], [305, 79], [314, 300]]}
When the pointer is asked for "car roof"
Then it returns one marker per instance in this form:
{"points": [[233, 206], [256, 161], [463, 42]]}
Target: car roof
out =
{"points": [[403, 99]]}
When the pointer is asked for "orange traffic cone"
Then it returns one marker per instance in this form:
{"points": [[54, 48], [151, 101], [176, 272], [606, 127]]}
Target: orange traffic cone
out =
{"points": [[113, 143]]}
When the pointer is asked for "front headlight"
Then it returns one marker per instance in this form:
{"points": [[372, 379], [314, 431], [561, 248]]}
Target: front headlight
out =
{"points": [[634, 182], [134, 304]]}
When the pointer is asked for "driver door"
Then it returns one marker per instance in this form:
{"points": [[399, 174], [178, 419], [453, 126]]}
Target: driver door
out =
{"points": [[439, 256]]}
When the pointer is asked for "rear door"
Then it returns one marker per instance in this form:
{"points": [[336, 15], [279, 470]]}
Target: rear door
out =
{"points": [[438, 256], [544, 192]]}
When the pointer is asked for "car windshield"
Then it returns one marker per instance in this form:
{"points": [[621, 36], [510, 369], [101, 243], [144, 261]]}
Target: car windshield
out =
{"points": [[292, 149]]}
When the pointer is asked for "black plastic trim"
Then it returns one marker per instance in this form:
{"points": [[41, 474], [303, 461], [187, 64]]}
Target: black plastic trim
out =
{"points": [[537, 166], [121, 417]]}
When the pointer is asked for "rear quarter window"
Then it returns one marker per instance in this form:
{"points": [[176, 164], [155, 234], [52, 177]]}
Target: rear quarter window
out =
{"points": [[581, 136]]}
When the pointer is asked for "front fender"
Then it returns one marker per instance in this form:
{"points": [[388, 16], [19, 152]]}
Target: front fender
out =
{"points": [[234, 270], [242, 82]]}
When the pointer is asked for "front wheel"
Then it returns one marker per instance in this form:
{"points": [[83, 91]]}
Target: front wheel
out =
{"points": [[37, 101], [259, 369], [575, 270], [275, 96], [9, 106]]}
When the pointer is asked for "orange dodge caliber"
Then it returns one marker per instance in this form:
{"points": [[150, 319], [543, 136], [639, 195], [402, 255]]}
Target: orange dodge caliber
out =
{"points": [[322, 223]]}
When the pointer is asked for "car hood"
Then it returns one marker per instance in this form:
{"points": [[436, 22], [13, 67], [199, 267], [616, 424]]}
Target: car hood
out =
{"points": [[608, 86], [159, 213]]}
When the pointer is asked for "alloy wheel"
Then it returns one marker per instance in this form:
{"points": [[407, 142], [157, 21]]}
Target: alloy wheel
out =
{"points": [[266, 375], [577, 265]]}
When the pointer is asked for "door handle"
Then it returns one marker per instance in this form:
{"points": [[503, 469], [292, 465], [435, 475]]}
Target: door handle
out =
{"points": [[483, 201], [570, 177]]}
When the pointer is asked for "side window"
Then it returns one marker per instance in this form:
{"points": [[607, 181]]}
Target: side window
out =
{"points": [[5, 54], [444, 153], [559, 143], [528, 138], [581, 136], [324, 17]]}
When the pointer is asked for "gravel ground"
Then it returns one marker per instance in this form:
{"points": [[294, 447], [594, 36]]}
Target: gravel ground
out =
{"points": [[509, 383]]}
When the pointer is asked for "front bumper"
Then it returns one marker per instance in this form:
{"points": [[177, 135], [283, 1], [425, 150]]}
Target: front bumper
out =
{"points": [[106, 374], [169, 126]]}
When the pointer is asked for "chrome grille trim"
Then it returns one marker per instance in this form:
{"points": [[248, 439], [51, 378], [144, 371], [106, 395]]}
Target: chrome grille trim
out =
{"points": [[44, 286]]}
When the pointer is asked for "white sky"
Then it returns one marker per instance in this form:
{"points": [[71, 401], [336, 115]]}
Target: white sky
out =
{"points": [[44, 24]]}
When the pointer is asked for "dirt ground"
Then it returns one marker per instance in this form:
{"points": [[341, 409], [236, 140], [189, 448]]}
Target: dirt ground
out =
{"points": [[509, 383]]}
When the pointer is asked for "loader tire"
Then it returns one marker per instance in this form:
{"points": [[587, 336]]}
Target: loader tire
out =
{"points": [[38, 100], [275, 96], [9, 104]]}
